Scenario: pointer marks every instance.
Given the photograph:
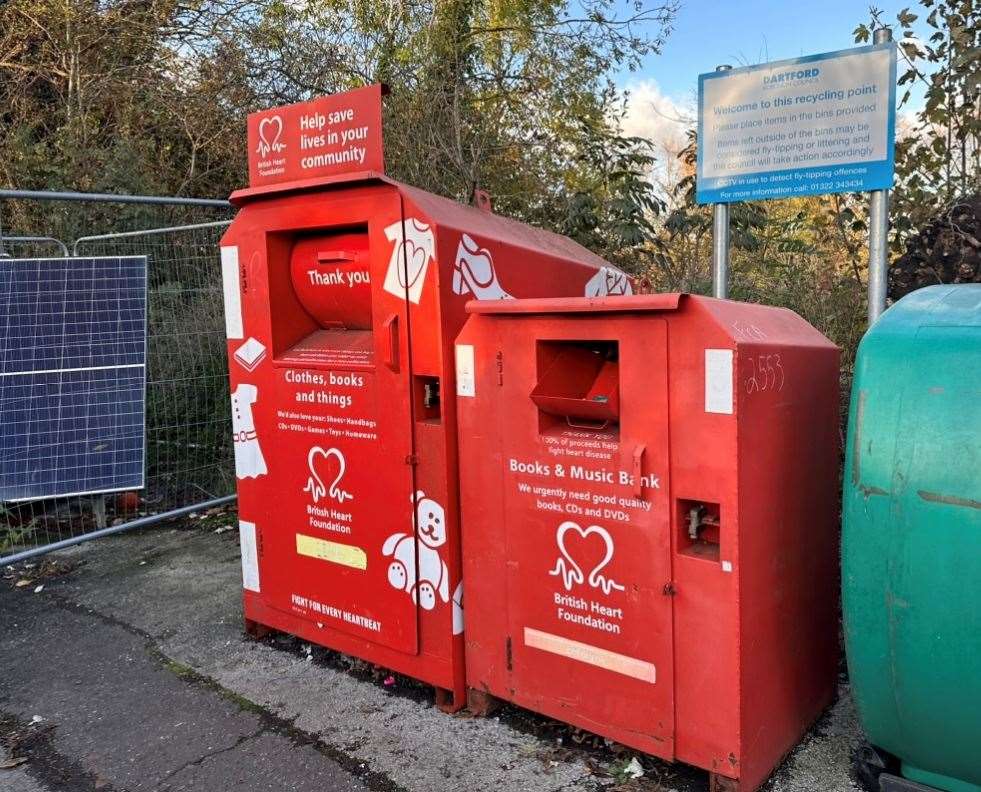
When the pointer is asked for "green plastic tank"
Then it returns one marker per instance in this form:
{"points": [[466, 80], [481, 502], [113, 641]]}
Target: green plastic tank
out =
{"points": [[911, 536]]}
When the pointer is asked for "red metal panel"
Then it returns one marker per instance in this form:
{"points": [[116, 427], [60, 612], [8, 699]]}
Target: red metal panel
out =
{"points": [[789, 604], [581, 535], [375, 571], [727, 570], [586, 599], [614, 304], [325, 438]]}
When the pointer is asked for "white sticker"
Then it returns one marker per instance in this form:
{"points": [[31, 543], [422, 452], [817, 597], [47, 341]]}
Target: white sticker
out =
{"points": [[465, 377], [593, 655], [718, 381], [233, 292], [727, 566], [250, 556]]}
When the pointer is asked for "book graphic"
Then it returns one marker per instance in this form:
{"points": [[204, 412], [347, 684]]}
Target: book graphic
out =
{"points": [[250, 354]]}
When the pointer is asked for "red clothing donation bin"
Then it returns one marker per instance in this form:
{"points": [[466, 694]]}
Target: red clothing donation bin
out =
{"points": [[648, 490], [344, 291]]}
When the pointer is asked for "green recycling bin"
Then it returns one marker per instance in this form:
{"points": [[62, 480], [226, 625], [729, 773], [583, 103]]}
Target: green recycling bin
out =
{"points": [[911, 536]]}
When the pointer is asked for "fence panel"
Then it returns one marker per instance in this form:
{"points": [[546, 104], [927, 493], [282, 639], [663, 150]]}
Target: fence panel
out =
{"points": [[189, 452], [188, 438]]}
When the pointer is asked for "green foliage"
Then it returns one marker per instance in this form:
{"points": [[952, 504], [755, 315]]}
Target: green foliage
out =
{"points": [[510, 96], [938, 157], [811, 254], [97, 96]]}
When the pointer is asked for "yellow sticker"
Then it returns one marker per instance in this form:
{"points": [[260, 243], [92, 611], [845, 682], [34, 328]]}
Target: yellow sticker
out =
{"points": [[335, 552]]}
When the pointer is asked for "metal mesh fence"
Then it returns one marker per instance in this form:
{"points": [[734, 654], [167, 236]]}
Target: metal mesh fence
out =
{"points": [[188, 443]]}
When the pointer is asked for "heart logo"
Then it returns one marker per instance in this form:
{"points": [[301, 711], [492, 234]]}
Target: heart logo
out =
{"points": [[270, 130], [415, 262], [320, 461], [569, 568]]}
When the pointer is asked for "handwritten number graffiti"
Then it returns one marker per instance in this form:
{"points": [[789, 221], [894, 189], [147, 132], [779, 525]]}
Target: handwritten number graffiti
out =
{"points": [[765, 374], [749, 332]]}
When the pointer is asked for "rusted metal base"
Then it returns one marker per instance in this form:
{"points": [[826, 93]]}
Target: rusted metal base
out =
{"points": [[255, 630], [447, 702], [720, 783], [481, 703]]}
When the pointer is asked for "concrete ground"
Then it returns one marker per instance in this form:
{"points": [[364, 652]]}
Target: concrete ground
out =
{"points": [[129, 670]]}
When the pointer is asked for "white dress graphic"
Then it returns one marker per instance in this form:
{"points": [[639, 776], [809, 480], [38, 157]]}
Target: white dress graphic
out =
{"points": [[458, 608], [249, 462], [410, 258]]}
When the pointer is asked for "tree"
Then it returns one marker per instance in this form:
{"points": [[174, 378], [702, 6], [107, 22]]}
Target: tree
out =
{"points": [[511, 96], [938, 160], [811, 254]]}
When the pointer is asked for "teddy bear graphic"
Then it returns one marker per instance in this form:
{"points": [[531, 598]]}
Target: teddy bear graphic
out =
{"points": [[431, 577]]}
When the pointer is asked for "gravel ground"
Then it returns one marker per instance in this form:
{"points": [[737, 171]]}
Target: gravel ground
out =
{"points": [[174, 594]]}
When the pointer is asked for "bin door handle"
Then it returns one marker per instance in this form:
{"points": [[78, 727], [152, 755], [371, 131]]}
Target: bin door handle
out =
{"points": [[391, 325], [638, 470]]}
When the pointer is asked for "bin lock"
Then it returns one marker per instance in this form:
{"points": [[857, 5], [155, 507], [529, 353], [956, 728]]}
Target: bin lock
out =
{"points": [[703, 522]]}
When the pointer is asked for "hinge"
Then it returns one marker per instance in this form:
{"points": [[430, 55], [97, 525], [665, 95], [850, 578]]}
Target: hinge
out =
{"points": [[482, 200], [412, 459], [507, 653]]}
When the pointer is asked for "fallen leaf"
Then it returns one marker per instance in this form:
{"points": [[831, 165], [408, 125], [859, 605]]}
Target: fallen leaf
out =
{"points": [[22, 582], [13, 762], [39, 589]]}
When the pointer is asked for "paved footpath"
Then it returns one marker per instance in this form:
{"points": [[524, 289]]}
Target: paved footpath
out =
{"points": [[109, 712], [131, 672]]}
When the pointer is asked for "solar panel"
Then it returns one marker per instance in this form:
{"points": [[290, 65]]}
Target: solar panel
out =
{"points": [[72, 376]]}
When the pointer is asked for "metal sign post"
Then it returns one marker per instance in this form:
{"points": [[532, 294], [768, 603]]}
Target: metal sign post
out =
{"points": [[814, 125], [878, 231], [720, 239], [720, 250]]}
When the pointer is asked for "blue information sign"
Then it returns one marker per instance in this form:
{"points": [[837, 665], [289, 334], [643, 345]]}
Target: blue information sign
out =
{"points": [[808, 126]]}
